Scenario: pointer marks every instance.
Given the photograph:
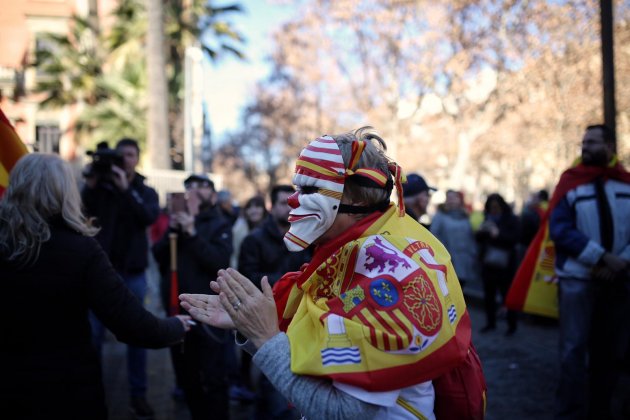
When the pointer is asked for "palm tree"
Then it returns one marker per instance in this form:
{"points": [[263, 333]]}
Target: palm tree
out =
{"points": [[158, 132], [68, 66], [101, 73]]}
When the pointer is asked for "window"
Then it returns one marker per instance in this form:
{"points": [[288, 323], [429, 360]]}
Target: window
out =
{"points": [[47, 138]]}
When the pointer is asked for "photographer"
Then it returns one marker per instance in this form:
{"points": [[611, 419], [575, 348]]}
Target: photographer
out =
{"points": [[203, 246], [124, 207]]}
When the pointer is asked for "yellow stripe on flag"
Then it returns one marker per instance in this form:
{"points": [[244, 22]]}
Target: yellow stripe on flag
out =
{"points": [[11, 150], [4, 176]]}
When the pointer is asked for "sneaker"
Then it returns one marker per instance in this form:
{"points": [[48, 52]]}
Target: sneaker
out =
{"points": [[140, 408], [241, 393]]}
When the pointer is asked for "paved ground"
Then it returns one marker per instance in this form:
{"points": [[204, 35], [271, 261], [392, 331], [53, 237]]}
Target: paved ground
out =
{"points": [[520, 370]]}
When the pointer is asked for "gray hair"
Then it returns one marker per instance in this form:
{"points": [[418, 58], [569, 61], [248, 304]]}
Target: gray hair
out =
{"points": [[373, 156], [41, 186]]}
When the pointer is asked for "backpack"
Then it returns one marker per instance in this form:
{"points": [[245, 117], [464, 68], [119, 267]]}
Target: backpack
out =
{"points": [[461, 393]]}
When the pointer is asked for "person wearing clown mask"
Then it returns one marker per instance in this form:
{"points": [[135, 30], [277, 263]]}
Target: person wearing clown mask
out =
{"points": [[371, 324]]}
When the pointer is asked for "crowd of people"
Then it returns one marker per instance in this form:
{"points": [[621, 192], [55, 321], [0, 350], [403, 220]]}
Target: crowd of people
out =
{"points": [[342, 298]]}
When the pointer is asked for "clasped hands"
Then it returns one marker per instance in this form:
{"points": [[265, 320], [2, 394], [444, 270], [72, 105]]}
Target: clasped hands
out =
{"points": [[610, 268], [239, 304]]}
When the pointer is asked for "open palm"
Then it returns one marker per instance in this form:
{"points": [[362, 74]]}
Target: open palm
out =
{"points": [[206, 309]]}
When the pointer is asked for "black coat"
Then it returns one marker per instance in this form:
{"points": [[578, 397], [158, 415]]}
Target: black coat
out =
{"points": [[49, 368], [124, 218], [263, 253], [507, 239], [198, 257]]}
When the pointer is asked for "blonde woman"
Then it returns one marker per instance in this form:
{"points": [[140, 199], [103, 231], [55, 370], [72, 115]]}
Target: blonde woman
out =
{"points": [[53, 272]]}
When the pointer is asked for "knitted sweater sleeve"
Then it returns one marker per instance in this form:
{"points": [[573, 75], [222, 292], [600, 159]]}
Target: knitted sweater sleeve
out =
{"points": [[315, 398]]}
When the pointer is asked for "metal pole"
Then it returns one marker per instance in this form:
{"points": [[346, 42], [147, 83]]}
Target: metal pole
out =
{"points": [[608, 67]]}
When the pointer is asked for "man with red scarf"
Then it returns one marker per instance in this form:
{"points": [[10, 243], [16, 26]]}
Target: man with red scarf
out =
{"points": [[590, 210]]}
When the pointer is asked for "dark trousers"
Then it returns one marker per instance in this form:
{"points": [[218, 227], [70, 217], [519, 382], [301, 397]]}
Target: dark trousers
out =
{"points": [[201, 372], [593, 344], [496, 280]]}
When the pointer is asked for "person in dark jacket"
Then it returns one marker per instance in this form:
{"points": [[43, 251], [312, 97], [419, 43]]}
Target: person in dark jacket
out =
{"points": [[417, 194], [497, 237], [54, 272], [124, 207], [203, 246], [264, 253]]}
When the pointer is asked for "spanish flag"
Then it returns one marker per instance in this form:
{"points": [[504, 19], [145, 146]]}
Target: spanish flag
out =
{"points": [[378, 307], [11, 150], [535, 286]]}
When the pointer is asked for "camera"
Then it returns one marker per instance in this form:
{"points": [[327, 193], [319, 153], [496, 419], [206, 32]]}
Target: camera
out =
{"points": [[103, 158]]}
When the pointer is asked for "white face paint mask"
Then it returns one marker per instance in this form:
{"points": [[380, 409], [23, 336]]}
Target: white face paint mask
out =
{"points": [[319, 177]]}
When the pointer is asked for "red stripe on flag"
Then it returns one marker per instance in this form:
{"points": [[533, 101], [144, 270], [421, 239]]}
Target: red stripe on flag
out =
{"points": [[434, 364], [401, 325], [367, 323], [388, 328], [11, 147]]}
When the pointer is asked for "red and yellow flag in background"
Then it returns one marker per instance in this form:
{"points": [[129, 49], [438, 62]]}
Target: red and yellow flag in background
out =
{"points": [[11, 150], [535, 287]]}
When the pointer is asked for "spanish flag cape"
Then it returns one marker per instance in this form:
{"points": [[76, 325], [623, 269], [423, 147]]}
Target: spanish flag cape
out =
{"points": [[379, 307], [534, 289], [11, 149]]}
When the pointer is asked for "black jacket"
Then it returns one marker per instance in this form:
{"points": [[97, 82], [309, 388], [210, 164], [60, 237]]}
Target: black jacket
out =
{"points": [[49, 367], [263, 253], [124, 218], [508, 236], [198, 257]]}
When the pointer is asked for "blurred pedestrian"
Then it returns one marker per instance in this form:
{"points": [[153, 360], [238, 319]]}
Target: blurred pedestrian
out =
{"points": [[590, 210], [123, 207], [530, 219], [451, 226], [203, 246], [226, 206], [264, 254], [417, 194], [497, 237], [55, 272], [253, 214]]}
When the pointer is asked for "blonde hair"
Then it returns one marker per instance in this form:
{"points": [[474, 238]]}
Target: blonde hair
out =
{"points": [[372, 157], [41, 186]]}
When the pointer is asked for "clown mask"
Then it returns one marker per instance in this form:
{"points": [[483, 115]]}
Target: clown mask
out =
{"points": [[319, 178]]}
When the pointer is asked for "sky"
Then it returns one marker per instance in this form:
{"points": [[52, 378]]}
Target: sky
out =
{"points": [[228, 84]]}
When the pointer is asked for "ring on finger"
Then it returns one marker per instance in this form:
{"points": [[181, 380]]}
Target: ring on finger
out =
{"points": [[237, 305]]}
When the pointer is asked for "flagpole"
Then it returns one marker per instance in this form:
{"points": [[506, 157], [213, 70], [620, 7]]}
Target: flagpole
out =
{"points": [[173, 308]]}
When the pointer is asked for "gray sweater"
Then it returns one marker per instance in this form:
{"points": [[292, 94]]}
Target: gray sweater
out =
{"points": [[315, 398]]}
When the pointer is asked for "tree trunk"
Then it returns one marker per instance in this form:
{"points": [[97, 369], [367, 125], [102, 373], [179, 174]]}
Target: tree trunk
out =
{"points": [[158, 131]]}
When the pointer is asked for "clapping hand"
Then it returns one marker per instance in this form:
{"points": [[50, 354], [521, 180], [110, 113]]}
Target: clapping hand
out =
{"points": [[252, 311], [239, 304], [206, 309]]}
